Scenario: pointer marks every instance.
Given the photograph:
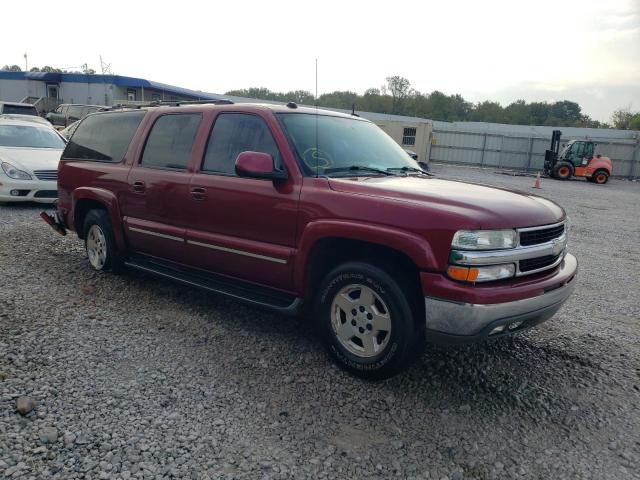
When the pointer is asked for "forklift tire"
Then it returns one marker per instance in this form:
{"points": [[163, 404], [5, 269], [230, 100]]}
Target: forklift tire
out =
{"points": [[600, 177], [563, 171]]}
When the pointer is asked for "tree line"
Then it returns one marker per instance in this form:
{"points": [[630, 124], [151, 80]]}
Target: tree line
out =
{"points": [[48, 69], [399, 98]]}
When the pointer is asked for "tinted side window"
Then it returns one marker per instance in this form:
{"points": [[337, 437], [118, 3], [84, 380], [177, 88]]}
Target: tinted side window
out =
{"points": [[234, 133], [170, 141], [103, 137]]}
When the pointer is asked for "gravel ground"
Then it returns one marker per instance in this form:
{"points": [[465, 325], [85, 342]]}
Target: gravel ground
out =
{"points": [[136, 377]]}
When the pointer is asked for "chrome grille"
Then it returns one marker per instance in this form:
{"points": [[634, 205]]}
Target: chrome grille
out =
{"points": [[48, 175], [537, 263], [537, 235]]}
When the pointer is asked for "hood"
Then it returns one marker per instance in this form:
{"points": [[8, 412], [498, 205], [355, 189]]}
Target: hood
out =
{"points": [[30, 159], [486, 206]]}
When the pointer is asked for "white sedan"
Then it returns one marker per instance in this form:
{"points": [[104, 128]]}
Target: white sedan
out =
{"points": [[29, 156]]}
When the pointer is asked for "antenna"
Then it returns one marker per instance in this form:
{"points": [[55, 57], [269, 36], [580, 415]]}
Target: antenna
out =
{"points": [[317, 149]]}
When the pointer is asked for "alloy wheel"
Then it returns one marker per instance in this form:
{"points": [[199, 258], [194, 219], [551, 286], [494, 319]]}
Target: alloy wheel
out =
{"points": [[96, 247], [361, 320]]}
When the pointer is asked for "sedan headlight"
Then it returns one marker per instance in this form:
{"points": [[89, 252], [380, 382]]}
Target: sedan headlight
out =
{"points": [[13, 172], [484, 239]]}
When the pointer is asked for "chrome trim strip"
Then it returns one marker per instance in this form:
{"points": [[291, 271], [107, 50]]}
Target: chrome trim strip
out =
{"points": [[238, 252], [541, 227], [512, 255], [156, 234]]}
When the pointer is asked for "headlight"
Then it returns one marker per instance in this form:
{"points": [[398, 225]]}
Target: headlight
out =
{"points": [[481, 274], [13, 172], [484, 239]]}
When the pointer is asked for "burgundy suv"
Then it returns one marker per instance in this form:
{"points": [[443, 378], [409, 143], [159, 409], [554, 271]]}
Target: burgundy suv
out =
{"points": [[285, 207]]}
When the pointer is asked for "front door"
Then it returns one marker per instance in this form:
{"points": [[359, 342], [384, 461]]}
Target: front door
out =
{"points": [[242, 227], [53, 91], [155, 216]]}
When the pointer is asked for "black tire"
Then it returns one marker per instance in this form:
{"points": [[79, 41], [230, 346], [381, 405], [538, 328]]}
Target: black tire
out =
{"points": [[101, 220], [563, 171], [405, 338], [600, 177]]}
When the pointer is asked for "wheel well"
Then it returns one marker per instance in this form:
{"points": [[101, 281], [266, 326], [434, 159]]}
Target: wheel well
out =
{"points": [[80, 212], [328, 253]]}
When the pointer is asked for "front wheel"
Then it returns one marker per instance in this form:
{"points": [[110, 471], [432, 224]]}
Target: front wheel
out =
{"points": [[370, 326], [563, 171]]}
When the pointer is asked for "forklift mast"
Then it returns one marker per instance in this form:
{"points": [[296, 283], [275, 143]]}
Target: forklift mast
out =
{"points": [[551, 155]]}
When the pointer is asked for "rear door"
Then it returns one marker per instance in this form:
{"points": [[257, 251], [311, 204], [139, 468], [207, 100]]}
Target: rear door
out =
{"points": [[156, 200], [242, 227]]}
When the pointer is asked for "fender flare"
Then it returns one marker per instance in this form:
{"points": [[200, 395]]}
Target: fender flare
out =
{"points": [[110, 202], [414, 246]]}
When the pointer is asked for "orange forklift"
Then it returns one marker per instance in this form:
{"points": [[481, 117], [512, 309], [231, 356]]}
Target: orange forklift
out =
{"points": [[576, 159]]}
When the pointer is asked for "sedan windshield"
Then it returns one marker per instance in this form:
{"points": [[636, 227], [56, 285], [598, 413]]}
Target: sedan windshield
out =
{"points": [[29, 137], [338, 146]]}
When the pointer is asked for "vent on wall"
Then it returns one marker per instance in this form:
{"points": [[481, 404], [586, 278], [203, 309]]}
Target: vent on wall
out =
{"points": [[409, 136]]}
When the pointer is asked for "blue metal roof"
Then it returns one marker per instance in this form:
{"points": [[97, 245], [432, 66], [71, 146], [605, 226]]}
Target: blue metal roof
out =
{"points": [[119, 80]]}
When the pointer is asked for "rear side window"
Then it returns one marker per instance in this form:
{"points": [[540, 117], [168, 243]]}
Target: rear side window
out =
{"points": [[19, 109], [103, 137], [234, 133], [170, 141]]}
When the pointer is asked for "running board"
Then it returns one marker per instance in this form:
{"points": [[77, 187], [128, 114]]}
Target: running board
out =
{"points": [[249, 293]]}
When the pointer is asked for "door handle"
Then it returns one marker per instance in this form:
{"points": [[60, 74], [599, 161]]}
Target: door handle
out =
{"points": [[199, 193], [138, 187]]}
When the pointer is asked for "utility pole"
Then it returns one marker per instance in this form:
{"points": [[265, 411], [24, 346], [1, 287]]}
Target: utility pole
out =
{"points": [[26, 64], [106, 69]]}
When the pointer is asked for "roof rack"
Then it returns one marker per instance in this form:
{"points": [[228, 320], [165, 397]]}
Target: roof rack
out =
{"points": [[167, 103]]}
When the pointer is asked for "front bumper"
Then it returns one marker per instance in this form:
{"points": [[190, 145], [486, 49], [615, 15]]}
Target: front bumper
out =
{"points": [[450, 321], [42, 191]]}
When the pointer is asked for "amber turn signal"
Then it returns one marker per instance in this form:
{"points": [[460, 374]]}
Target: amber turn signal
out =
{"points": [[481, 274], [464, 274]]}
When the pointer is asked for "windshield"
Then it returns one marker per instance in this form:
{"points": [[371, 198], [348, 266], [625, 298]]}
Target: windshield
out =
{"points": [[29, 137], [343, 146]]}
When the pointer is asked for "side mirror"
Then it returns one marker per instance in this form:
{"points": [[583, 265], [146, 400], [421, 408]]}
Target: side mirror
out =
{"points": [[258, 165]]}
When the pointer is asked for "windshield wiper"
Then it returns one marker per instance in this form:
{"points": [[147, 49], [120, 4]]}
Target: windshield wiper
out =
{"points": [[357, 168], [406, 169]]}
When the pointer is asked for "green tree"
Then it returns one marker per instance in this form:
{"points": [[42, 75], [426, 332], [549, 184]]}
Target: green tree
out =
{"points": [[303, 97], [488, 112], [11, 68], [400, 89], [621, 118], [517, 113], [634, 123], [338, 99]]}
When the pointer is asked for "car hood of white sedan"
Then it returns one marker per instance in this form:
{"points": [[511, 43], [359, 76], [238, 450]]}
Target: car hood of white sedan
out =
{"points": [[31, 159]]}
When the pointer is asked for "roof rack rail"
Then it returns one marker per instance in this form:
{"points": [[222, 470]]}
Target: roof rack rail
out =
{"points": [[168, 103]]}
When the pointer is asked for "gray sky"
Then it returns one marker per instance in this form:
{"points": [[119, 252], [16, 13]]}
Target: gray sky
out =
{"points": [[587, 51]]}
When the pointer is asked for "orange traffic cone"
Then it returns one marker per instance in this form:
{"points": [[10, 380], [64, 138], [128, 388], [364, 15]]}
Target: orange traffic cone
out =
{"points": [[536, 184]]}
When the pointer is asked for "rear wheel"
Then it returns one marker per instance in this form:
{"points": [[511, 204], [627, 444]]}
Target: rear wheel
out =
{"points": [[99, 241], [563, 171], [600, 177], [369, 325]]}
